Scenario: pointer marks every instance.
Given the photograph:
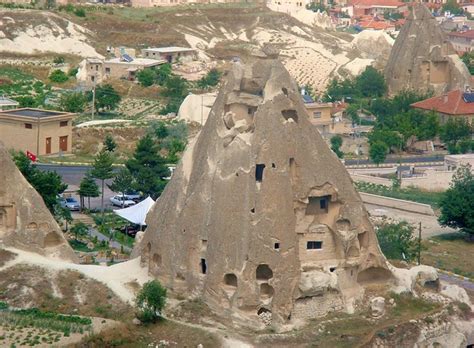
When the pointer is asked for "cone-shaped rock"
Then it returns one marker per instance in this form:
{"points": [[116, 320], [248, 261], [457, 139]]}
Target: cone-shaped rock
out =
{"points": [[423, 59], [25, 221], [261, 218]]}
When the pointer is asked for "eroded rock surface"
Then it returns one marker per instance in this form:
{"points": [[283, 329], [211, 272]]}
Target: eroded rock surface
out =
{"points": [[261, 219], [423, 59], [25, 222]]}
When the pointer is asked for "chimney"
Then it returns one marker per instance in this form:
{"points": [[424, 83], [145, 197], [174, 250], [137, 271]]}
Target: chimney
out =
{"points": [[445, 98]]}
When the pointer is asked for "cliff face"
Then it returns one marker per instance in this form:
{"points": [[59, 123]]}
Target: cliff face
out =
{"points": [[25, 222], [423, 59], [261, 218]]}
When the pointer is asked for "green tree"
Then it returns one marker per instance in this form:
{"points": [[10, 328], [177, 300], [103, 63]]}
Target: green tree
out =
{"points": [[58, 60], [452, 7], [58, 76], [150, 301], [122, 182], [148, 167], [146, 77], [106, 97], [175, 87], [397, 241], [336, 143], [210, 80], [62, 214], [109, 143], [468, 59], [161, 131], [371, 83], [73, 102], [103, 170], [88, 188], [80, 12], [378, 152], [80, 229], [48, 184], [338, 90], [457, 203], [163, 73], [454, 130]]}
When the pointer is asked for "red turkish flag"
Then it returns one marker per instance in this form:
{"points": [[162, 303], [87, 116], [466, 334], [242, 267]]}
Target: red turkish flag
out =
{"points": [[31, 156]]}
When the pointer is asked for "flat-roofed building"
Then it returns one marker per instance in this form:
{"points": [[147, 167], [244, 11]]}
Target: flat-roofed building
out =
{"points": [[41, 132], [8, 104], [170, 54]]}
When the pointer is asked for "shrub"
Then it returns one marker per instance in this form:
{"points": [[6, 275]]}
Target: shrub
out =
{"points": [[58, 76], [73, 72], [58, 60], [80, 12], [150, 301]]}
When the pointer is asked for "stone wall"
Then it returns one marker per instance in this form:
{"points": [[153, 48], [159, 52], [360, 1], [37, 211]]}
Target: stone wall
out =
{"points": [[317, 306]]}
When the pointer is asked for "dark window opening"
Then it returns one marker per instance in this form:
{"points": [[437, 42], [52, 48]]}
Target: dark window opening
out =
{"points": [[252, 210], [203, 266], [276, 246], [259, 172], [352, 272], [236, 174], [264, 272], [312, 244], [285, 91], [323, 204], [332, 269], [251, 110], [317, 205], [287, 114], [273, 165], [230, 279], [28, 126], [63, 124]]}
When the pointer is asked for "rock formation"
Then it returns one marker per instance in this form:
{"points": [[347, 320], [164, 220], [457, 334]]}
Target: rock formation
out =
{"points": [[423, 59], [261, 219], [25, 222]]}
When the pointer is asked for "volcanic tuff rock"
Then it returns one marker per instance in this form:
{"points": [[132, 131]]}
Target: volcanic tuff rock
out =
{"points": [[422, 58], [261, 218], [25, 222]]}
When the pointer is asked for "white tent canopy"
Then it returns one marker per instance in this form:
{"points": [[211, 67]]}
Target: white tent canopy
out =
{"points": [[136, 213]]}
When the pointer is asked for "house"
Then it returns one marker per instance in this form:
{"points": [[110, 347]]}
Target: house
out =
{"points": [[8, 104], [454, 104], [359, 8], [41, 132], [170, 54], [125, 67], [327, 117], [462, 41], [452, 162]]}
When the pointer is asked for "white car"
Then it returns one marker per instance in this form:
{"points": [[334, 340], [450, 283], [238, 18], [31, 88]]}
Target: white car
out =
{"points": [[121, 201]]}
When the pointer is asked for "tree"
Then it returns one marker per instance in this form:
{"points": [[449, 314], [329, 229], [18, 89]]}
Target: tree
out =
{"points": [[58, 60], [457, 203], [163, 73], [48, 184], [468, 59], [103, 170], [148, 167], [161, 131], [122, 183], [80, 229], [371, 83], [106, 97], [455, 130], [109, 143], [73, 102], [210, 80], [80, 12], [88, 188], [452, 7], [175, 88], [378, 152], [58, 76], [150, 301], [146, 77], [397, 241], [62, 213], [336, 143]]}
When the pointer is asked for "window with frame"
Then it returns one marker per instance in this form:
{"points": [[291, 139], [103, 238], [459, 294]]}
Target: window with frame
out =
{"points": [[314, 244], [28, 126], [317, 114], [63, 124]]}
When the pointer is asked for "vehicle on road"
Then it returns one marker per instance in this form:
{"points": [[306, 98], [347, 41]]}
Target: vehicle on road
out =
{"points": [[121, 201], [133, 196], [69, 203]]}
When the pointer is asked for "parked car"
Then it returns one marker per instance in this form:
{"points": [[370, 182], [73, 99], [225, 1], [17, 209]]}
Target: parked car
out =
{"points": [[69, 203], [133, 196], [131, 229], [121, 201]]}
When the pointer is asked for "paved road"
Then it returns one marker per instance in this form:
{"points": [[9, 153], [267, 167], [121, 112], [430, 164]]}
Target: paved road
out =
{"points": [[454, 280], [395, 159], [114, 244]]}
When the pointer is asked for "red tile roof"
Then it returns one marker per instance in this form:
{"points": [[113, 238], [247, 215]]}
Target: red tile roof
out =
{"points": [[451, 103], [377, 25], [467, 34]]}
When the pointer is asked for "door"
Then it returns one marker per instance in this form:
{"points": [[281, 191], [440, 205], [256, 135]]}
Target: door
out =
{"points": [[48, 145], [63, 143]]}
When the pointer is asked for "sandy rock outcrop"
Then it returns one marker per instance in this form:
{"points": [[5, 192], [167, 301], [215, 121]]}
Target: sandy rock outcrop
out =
{"points": [[373, 44], [406, 279], [455, 293], [377, 307], [25, 222], [260, 210], [423, 59], [196, 107]]}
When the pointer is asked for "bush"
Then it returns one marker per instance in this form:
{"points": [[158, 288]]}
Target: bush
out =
{"points": [[73, 72], [58, 60], [397, 241], [150, 301], [146, 77], [3, 306], [58, 76], [80, 12]]}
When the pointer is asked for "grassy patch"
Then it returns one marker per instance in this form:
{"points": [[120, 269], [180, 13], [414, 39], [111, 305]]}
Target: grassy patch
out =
{"points": [[449, 252], [409, 194]]}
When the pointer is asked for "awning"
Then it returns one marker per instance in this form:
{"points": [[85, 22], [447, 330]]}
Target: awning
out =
{"points": [[136, 213]]}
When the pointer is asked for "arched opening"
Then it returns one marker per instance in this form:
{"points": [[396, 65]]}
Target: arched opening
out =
{"points": [[32, 226], [266, 291], [373, 275], [264, 272], [230, 279], [203, 266], [263, 310], [363, 240], [52, 239], [3, 218], [287, 114]]}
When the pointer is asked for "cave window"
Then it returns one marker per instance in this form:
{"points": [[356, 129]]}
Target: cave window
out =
{"points": [[313, 244], [317, 205], [251, 110], [285, 91], [323, 204], [203, 266], [230, 279], [259, 172], [287, 114], [276, 246], [264, 272], [252, 210], [273, 165], [332, 269]]}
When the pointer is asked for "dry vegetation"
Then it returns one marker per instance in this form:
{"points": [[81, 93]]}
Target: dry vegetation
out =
{"points": [[6, 256]]}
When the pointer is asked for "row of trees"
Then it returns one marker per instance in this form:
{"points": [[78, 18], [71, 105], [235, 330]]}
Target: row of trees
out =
{"points": [[106, 99]]}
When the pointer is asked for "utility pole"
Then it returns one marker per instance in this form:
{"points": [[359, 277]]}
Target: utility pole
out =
{"points": [[93, 96], [419, 244]]}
